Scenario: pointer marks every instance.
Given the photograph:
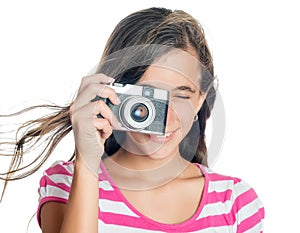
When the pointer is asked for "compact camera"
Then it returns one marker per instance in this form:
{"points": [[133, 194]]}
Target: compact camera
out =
{"points": [[142, 109]]}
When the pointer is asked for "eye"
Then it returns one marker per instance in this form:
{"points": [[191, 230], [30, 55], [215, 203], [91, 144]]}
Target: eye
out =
{"points": [[182, 97]]}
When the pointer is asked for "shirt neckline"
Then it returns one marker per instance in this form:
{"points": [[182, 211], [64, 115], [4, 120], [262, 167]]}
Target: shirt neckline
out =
{"points": [[163, 226]]}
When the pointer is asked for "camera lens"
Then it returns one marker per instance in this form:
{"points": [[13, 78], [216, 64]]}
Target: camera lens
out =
{"points": [[139, 112]]}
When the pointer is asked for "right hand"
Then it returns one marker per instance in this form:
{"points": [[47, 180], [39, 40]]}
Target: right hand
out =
{"points": [[91, 132]]}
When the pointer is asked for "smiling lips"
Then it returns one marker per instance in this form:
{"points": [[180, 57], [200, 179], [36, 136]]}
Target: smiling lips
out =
{"points": [[164, 138]]}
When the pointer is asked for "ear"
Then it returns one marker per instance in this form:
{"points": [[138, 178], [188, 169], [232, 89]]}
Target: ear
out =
{"points": [[200, 101]]}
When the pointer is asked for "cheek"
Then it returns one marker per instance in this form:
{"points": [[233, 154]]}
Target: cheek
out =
{"points": [[184, 112]]}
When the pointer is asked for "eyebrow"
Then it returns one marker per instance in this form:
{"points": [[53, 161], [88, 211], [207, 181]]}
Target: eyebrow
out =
{"points": [[180, 88], [185, 88]]}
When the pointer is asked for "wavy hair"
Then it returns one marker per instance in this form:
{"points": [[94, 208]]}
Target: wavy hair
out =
{"points": [[153, 26]]}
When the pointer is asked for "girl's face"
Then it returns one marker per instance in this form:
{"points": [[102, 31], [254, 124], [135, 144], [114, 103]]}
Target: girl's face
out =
{"points": [[179, 73]]}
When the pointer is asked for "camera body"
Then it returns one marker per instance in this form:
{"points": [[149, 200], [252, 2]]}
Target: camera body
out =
{"points": [[142, 109]]}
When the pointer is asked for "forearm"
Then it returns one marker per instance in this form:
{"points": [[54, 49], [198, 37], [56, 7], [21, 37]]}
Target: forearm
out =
{"points": [[82, 209], [90, 133]]}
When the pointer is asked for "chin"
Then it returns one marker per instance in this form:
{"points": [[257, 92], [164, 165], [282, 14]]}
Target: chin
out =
{"points": [[164, 153], [152, 146]]}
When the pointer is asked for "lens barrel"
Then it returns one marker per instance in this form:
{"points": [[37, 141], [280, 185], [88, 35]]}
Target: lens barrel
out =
{"points": [[137, 112]]}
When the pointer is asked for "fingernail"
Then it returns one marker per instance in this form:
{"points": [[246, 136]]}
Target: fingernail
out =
{"points": [[118, 101]]}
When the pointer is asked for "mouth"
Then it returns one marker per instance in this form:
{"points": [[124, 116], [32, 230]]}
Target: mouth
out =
{"points": [[163, 138]]}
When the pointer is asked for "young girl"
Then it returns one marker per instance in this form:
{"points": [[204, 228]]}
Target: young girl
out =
{"points": [[128, 177]]}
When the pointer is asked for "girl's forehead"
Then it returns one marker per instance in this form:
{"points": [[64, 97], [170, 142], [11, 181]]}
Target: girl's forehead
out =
{"points": [[175, 68]]}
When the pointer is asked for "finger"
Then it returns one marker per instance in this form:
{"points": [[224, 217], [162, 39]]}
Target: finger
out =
{"points": [[111, 94], [90, 112], [101, 108], [93, 90], [95, 78], [104, 110], [104, 127], [87, 94]]}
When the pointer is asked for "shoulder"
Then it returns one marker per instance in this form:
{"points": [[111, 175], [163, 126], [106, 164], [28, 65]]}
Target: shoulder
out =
{"points": [[238, 198], [219, 182], [57, 177], [60, 167], [60, 172], [55, 184]]}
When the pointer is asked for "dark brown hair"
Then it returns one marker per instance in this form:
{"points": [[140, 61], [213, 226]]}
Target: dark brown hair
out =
{"points": [[153, 26]]}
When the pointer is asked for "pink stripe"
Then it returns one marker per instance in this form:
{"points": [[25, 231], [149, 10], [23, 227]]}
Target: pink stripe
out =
{"points": [[124, 220], [230, 218], [58, 169], [214, 196], [190, 225], [244, 199], [203, 223], [251, 221], [47, 199], [110, 195], [215, 221], [45, 181], [218, 177], [212, 221]]}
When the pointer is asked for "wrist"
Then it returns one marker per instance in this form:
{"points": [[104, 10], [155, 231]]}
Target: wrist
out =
{"points": [[87, 165]]}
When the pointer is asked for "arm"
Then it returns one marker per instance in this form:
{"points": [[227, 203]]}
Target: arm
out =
{"points": [[249, 209], [80, 214], [52, 214]]}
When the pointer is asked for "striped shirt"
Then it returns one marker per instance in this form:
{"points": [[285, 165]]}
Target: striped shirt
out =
{"points": [[228, 204]]}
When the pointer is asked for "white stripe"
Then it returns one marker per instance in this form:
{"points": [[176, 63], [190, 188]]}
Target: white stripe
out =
{"points": [[257, 228], [105, 185], [115, 207], [42, 193], [67, 180], [222, 229], [240, 188], [53, 191], [59, 178], [100, 171], [112, 228], [220, 208], [69, 167], [217, 208], [220, 186], [248, 210]]}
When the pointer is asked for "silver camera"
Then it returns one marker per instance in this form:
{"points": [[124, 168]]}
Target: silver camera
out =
{"points": [[142, 109]]}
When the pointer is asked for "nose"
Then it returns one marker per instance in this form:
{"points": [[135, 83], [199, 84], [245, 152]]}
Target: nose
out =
{"points": [[171, 115]]}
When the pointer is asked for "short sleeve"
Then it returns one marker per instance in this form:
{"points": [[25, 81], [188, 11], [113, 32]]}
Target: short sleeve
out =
{"points": [[55, 184], [248, 208]]}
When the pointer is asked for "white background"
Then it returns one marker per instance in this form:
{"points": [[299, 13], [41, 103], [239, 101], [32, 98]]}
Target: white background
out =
{"points": [[47, 46]]}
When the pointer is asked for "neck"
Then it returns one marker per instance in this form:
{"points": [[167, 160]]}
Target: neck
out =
{"points": [[135, 171]]}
